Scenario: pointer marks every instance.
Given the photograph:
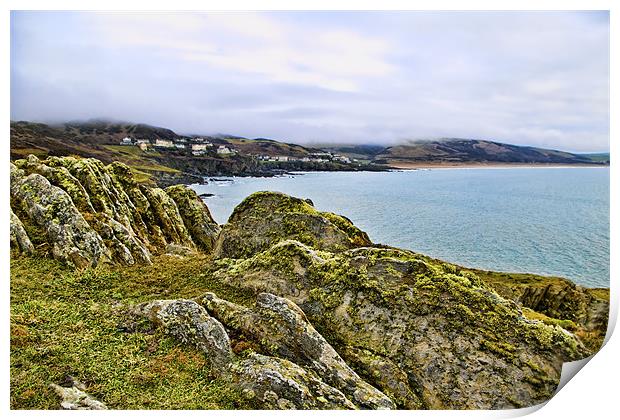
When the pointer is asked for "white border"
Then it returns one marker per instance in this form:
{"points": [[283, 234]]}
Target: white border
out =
{"points": [[593, 394]]}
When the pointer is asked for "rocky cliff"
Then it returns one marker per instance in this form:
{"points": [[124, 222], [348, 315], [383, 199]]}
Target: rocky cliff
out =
{"points": [[326, 319], [85, 213]]}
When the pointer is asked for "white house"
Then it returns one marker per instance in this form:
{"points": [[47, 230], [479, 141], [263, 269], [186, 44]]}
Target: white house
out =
{"points": [[164, 143], [199, 149], [342, 159], [223, 150], [127, 141], [179, 145]]}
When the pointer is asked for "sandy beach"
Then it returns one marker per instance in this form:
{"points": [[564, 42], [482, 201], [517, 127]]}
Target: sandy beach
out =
{"points": [[466, 165]]}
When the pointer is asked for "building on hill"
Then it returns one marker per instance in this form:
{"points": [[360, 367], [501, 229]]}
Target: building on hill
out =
{"points": [[199, 149], [223, 150], [143, 144], [321, 155], [179, 145], [127, 141], [342, 159], [164, 143]]}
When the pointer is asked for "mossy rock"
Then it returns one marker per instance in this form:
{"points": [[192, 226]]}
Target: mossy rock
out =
{"points": [[266, 218], [196, 216], [458, 343], [134, 220]]}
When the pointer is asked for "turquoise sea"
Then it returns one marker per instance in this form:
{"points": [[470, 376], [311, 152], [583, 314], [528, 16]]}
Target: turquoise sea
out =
{"points": [[552, 221]]}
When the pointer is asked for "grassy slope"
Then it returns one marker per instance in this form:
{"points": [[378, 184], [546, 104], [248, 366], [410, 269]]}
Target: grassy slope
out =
{"points": [[65, 322], [266, 147]]}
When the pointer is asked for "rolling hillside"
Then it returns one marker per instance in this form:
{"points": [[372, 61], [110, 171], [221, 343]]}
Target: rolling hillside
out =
{"points": [[100, 139], [463, 151]]}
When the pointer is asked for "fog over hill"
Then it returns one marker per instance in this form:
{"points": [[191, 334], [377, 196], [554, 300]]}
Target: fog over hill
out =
{"points": [[524, 77]]}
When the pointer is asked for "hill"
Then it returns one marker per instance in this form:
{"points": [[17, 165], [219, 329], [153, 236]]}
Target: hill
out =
{"points": [[108, 132], [168, 165], [456, 151]]}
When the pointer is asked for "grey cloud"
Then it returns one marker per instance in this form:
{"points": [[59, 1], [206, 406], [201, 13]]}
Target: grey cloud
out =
{"points": [[537, 78]]}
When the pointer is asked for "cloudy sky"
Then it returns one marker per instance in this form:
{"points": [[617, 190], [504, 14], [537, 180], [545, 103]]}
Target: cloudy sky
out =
{"points": [[534, 78]]}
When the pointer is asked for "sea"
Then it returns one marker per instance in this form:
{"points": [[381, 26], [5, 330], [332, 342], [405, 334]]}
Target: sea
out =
{"points": [[550, 221]]}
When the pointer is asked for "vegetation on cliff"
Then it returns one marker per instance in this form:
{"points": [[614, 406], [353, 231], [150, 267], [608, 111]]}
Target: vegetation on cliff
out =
{"points": [[150, 304]]}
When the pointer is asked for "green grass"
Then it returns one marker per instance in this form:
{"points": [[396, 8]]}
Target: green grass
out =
{"points": [[66, 322], [138, 159]]}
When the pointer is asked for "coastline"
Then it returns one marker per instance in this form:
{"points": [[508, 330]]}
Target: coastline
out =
{"points": [[487, 165]]}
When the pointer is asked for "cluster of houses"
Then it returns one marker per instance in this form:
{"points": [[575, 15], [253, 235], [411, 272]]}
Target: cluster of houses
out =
{"points": [[314, 157], [198, 145]]}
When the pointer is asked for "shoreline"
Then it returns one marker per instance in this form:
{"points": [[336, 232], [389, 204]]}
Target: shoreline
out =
{"points": [[488, 165]]}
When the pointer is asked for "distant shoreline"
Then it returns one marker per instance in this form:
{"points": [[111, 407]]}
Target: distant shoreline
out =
{"points": [[489, 165]]}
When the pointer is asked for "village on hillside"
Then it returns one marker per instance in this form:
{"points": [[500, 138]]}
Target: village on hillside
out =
{"points": [[199, 146]]}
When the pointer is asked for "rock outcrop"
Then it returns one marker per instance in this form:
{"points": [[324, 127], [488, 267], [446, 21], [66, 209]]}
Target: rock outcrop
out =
{"points": [[583, 310], [86, 212], [73, 397], [457, 343], [283, 330], [424, 333], [268, 382], [19, 237], [266, 218], [49, 207], [196, 216], [189, 322]]}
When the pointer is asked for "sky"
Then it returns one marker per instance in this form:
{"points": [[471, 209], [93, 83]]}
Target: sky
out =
{"points": [[529, 78]]}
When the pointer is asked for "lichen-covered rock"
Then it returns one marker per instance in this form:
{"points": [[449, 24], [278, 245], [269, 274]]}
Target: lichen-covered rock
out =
{"points": [[265, 218], [269, 382], [51, 208], [74, 398], [457, 343], [283, 330], [60, 177], [190, 323], [167, 216], [386, 374], [134, 221], [556, 300], [19, 237], [196, 216], [274, 383]]}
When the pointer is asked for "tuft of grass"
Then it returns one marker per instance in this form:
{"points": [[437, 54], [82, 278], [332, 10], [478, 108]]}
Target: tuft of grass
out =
{"points": [[66, 322]]}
